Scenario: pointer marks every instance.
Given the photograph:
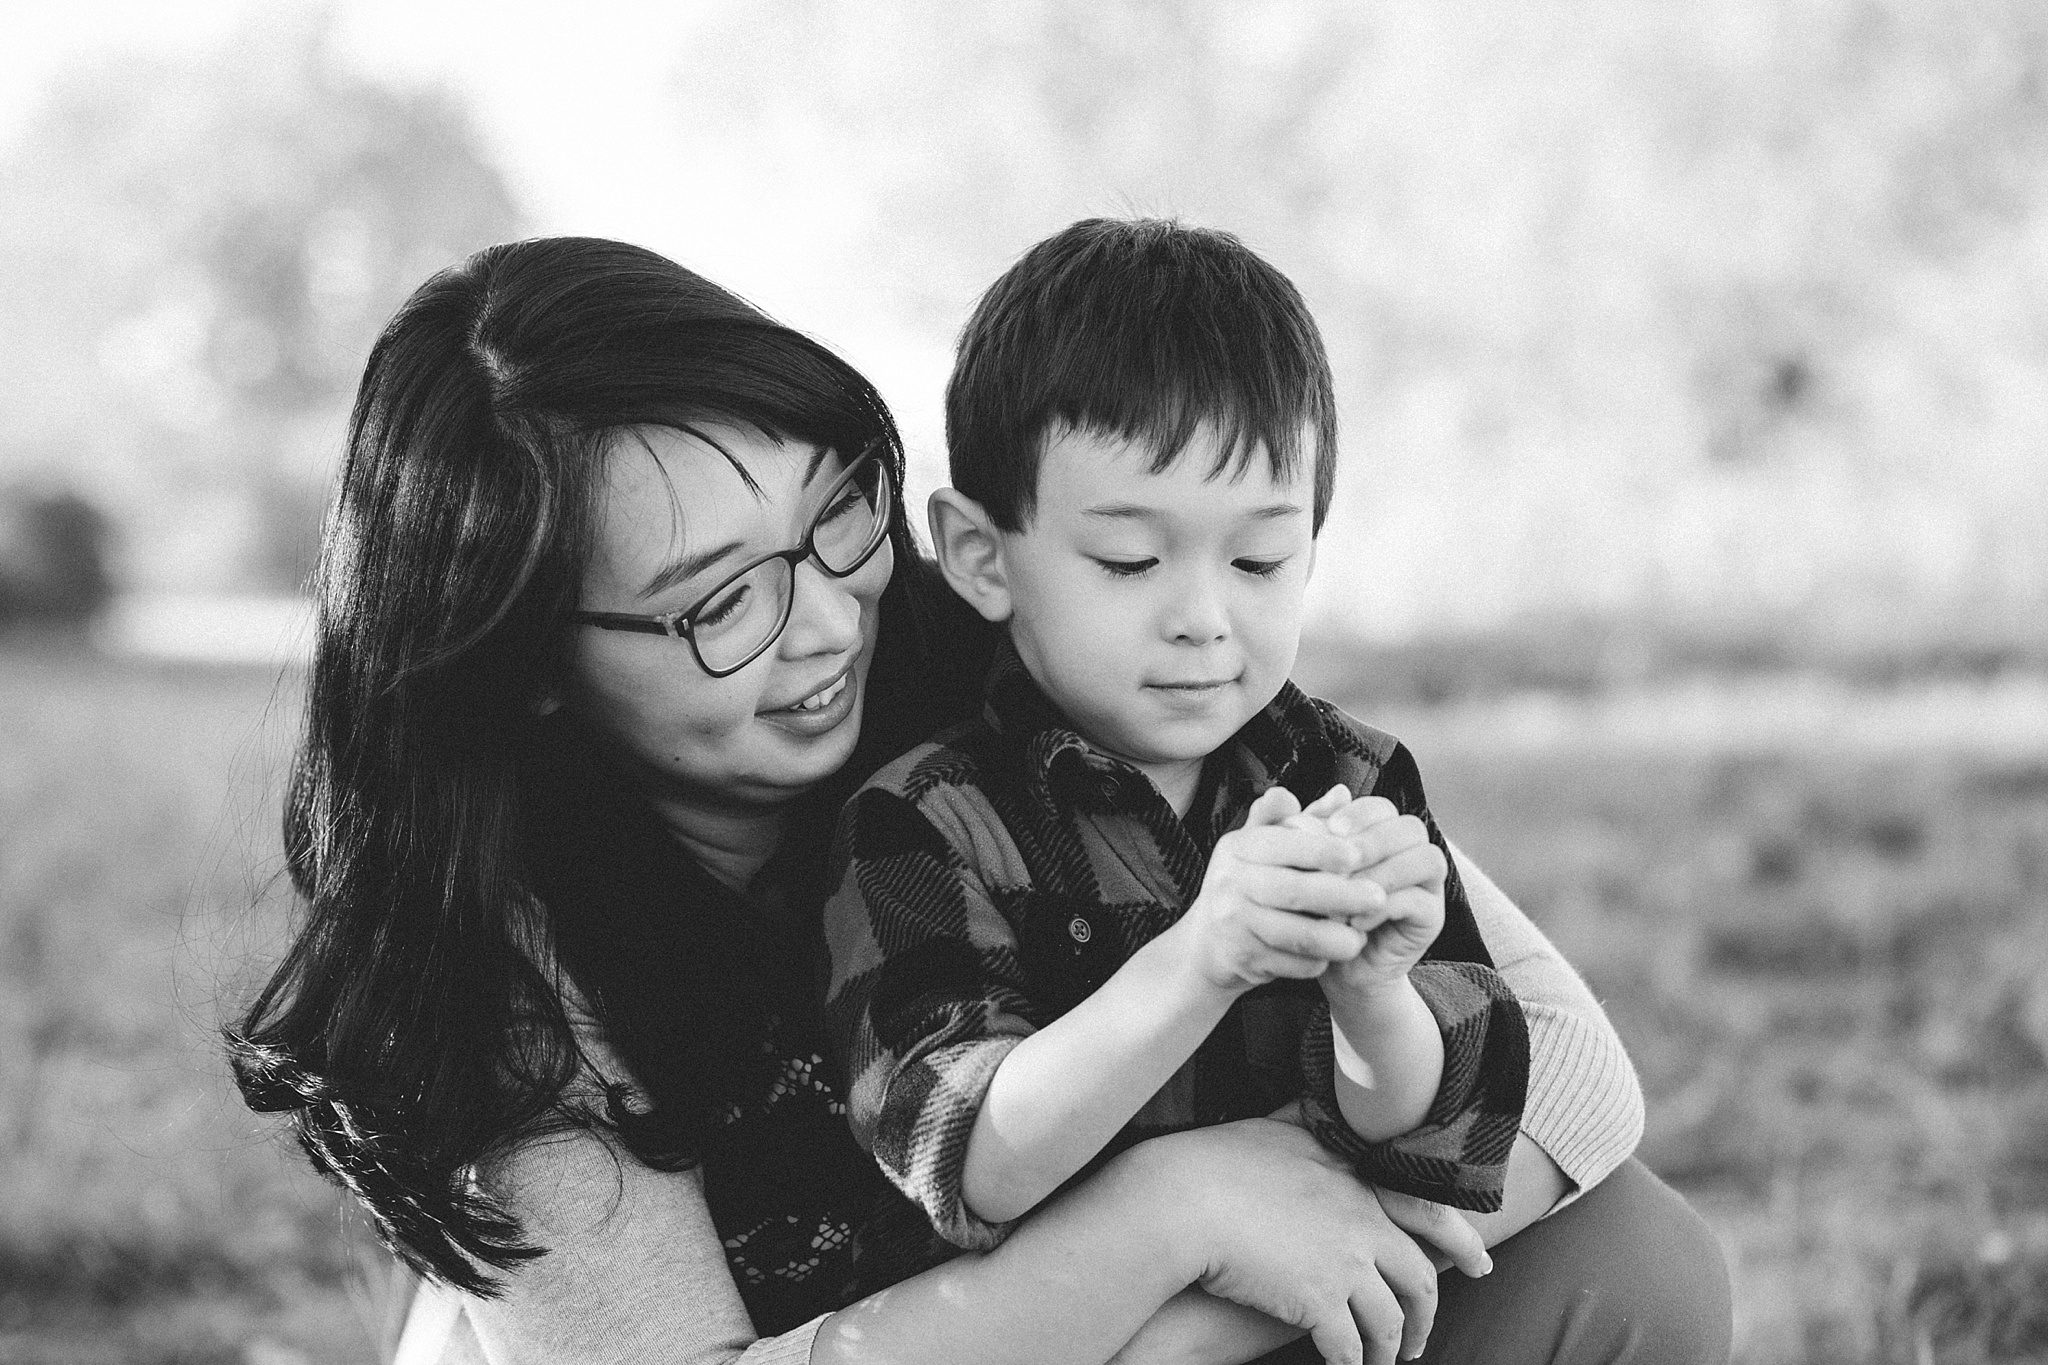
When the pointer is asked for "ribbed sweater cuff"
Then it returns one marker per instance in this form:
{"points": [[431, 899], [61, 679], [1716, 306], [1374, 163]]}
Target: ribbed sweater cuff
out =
{"points": [[791, 1348], [1585, 1105]]}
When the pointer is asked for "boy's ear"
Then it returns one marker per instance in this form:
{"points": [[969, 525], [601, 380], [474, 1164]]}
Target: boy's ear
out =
{"points": [[970, 552]]}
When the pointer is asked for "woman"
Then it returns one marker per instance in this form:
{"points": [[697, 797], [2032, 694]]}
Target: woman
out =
{"points": [[560, 828]]}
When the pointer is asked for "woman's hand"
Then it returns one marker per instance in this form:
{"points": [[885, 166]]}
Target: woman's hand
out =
{"points": [[1447, 1239], [1287, 1229]]}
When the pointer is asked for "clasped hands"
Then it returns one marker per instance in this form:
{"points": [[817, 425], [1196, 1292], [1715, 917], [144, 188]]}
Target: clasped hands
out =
{"points": [[1346, 889]]}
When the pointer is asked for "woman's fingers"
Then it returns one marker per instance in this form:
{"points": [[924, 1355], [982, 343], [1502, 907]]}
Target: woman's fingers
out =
{"points": [[1410, 1279], [1383, 1328], [1336, 1336], [1439, 1226], [1302, 1240]]}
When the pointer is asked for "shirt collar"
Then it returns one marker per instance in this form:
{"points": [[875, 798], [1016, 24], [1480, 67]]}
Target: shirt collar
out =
{"points": [[1061, 767]]}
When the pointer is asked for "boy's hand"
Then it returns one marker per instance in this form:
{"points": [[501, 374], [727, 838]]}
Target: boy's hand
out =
{"points": [[1278, 900], [1395, 853]]}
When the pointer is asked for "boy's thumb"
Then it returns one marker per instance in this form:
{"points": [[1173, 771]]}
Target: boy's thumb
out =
{"points": [[1276, 805]]}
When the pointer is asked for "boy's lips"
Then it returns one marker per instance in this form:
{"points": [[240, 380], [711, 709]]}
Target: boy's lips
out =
{"points": [[1193, 684]]}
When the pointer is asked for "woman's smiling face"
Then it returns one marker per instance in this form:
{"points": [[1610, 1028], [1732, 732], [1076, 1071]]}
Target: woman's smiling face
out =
{"points": [[674, 519]]}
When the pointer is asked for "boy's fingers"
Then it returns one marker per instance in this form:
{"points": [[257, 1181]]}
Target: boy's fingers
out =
{"points": [[1275, 804], [1355, 817], [1309, 848], [1304, 936], [1422, 865], [1314, 893], [1329, 803], [1385, 838]]}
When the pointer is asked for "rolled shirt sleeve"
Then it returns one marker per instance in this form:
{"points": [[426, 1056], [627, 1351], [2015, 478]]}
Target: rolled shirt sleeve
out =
{"points": [[1458, 1154], [925, 1001]]}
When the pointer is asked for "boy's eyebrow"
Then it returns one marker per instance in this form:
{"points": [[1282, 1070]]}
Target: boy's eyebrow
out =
{"points": [[1132, 511], [690, 565]]}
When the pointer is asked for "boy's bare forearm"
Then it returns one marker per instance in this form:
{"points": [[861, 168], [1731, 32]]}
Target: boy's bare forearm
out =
{"points": [[1064, 1092], [1390, 1058], [1534, 1185]]}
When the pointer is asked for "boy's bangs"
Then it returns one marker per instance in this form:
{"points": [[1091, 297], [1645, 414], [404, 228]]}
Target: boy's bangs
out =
{"points": [[1165, 421]]}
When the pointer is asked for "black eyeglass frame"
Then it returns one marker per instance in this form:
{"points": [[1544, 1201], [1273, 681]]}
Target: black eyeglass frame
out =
{"points": [[677, 623]]}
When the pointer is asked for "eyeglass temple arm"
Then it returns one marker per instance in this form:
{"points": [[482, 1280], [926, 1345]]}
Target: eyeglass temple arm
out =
{"points": [[611, 620]]}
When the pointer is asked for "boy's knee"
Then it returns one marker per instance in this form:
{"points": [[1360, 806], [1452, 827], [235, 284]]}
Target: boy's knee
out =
{"points": [[1629, 1273]]}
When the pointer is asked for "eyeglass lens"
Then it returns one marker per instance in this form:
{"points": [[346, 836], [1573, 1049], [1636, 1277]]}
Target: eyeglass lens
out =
{"points": [[739, 618]]}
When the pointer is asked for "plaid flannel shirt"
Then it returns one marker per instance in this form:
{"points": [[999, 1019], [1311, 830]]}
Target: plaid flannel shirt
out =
{"points": [[989, 880]]}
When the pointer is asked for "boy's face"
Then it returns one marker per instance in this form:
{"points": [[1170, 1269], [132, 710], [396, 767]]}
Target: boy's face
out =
{"points": [[1160, 612]]}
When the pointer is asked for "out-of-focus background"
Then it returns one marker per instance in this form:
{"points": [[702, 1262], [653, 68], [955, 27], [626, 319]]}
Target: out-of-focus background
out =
{"points": [[1692, 527]]}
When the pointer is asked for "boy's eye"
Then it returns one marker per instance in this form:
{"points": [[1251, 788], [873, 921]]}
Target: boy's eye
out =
{"points": [[1261, 568], [1125, 568]]}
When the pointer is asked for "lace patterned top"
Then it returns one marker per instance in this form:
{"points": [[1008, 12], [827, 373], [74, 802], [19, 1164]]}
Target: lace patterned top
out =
{"points": [[787, 1188]]}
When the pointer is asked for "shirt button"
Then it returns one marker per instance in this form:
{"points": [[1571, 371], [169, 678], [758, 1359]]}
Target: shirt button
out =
{"points": [[1080, 930]]}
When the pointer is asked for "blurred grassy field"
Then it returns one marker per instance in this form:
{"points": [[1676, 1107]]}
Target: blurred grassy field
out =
{"points": [[1830, 965], [144, 1214]]}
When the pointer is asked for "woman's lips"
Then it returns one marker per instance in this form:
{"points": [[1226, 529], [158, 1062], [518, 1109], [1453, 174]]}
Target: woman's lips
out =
{"points": [[831, 705]]}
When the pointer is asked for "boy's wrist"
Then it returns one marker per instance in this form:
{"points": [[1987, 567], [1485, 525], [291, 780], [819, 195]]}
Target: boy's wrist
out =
{"points": [[1183, 962], [1364, 993]]}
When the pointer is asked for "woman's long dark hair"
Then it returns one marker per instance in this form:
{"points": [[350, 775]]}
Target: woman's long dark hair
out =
{"points": [[455, 850]]}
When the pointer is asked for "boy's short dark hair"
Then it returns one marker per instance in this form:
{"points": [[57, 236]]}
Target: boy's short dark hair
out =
{"points": [[1142, 329]]}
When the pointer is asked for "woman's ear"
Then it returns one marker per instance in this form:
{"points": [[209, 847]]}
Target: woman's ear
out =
{"points": [[970, 552]]}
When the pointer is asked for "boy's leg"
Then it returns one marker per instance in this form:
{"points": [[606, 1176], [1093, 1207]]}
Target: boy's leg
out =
{"points": [[1627, 1273]]}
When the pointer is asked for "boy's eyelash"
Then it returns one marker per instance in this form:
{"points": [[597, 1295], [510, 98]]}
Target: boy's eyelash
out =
{"points": [[1125, 568], [1263, 568]]}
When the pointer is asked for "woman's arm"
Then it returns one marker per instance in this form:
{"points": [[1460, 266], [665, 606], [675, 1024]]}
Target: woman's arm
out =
{"points": [[1584, 1111], [1254, 1212]]}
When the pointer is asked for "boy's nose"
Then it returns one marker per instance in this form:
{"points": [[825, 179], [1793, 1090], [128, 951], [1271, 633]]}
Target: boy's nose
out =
{"points": [[1196, 615]]}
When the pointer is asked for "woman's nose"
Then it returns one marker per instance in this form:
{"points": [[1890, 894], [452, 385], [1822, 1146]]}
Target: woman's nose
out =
{"points": [[824, 618]]}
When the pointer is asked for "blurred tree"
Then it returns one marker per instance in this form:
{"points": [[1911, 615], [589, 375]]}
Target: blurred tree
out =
{"points": [[1729, 309], [53, 563], [204, 249]]}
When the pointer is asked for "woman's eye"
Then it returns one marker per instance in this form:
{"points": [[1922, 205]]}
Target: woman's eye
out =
{"points": [[1259, 568], [1125, 568], [852, 499], [720, 609]]}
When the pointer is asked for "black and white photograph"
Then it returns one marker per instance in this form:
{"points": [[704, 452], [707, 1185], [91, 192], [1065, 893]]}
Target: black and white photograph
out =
{"points": [[1070, 682]]}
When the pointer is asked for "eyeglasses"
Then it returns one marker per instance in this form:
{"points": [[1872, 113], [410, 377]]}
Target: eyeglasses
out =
{"points": [[735, 623]]}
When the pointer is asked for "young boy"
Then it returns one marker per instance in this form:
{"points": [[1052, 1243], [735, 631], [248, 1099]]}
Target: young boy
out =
{"points": [[1103, 912]]}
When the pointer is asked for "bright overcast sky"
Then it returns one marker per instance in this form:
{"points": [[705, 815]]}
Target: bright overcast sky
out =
{"points": [[572, 100], [575, 107]]}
